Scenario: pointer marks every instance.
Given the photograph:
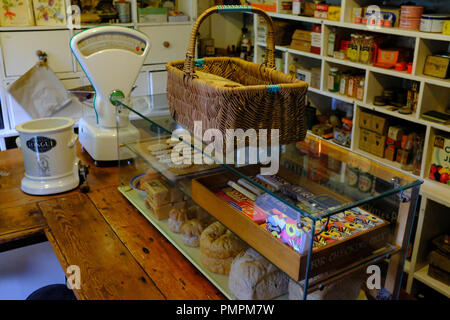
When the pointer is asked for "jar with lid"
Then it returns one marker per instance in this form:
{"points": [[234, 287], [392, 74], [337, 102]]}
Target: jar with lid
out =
{"points": [[366, 49], [333, 80]]}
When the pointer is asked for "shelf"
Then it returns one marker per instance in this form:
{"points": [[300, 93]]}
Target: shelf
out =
{"points": [[328, 140], [385, 30], [436, 191], [396, 114], [192, 254], [34, 28], [386, 162], [295, 18], [395, 31], [337, 96], [147, 24], [422, 276]]}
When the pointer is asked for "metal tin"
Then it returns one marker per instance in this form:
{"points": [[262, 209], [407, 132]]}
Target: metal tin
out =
{"points": [[124, 11], [433, 22]]}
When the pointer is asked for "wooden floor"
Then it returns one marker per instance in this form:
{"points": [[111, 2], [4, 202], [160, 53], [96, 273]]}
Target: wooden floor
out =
{"points": [[119, 253]]}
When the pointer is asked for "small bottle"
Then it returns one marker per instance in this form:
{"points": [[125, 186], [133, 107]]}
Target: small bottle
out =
{"points": [[351, 86], [343, 85], [331, 42], [360, 90]]}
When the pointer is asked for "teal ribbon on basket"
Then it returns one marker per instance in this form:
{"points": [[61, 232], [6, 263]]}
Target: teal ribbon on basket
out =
{"points": [[273, 88], [234, 8], [199, 63]]}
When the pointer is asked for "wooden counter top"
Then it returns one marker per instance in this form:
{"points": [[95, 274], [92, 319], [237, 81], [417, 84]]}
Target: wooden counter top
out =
{"points": [[120, 254]]}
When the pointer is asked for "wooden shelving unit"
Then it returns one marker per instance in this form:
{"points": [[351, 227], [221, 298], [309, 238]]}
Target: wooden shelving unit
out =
{"points": [[434, 92]]}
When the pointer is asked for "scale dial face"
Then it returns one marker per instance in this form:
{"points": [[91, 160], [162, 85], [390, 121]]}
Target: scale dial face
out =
{"points": [[111, 40]]}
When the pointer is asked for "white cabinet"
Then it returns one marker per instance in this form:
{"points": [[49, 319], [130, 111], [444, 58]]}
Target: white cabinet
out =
{"points": [[158, 82], [168, 43], [19, 50]]}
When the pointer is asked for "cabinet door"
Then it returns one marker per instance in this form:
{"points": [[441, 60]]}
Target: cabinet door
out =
{"points": [[158, 82], [168, 43], [19, 50], [141, 85]]}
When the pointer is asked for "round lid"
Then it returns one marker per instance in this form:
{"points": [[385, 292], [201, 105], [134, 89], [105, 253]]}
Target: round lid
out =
{"points": [[45, 125], [334, 69], [436, 15]]}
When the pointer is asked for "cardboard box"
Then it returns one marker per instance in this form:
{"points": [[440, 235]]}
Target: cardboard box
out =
{"points": [[302, 35], [266, 5], [365, 137], [377, 145], [334, 13], [321, 14], [315, 77], [389, 153], [301, 45], [310, 8], [437, 66], [152, 15], [365, 120], [303, 75], [440, 162], [379, 124]]}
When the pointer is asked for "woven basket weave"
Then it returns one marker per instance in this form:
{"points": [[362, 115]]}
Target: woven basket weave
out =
{"points": [[266, 99]]}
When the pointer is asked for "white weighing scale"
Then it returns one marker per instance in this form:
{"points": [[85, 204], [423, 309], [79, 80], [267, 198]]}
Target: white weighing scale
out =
{"points": [[111, 57]]}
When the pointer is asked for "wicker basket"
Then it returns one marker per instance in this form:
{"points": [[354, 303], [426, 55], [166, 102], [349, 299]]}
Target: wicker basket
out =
{"points": [[264, 99]]}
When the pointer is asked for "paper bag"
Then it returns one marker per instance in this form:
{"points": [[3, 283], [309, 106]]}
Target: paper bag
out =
{"points": [[39, 92]]}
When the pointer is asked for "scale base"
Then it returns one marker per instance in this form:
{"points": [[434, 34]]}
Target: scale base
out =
{"points": [[51, 185], [101, 143]]}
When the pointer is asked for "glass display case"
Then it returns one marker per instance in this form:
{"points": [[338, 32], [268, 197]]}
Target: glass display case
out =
{"points": [[327, 218]]}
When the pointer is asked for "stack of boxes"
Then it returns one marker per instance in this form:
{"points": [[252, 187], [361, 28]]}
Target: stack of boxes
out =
{"points": [[373, 133], [308, 41], [301, 40]]}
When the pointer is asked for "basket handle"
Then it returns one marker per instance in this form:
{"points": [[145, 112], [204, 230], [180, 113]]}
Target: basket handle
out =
{"points": [[269, 59]]}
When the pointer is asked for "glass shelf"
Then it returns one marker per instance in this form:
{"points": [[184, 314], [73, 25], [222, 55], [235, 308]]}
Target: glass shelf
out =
{"points": [[315, 165], [348, 211]]}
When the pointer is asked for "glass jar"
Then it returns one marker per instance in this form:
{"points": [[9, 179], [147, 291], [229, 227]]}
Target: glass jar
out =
{"points": [[333, 80], [360, 90], [364, 56]]}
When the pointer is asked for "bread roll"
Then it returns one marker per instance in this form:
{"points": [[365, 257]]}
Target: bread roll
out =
{"points": [[217, 241], [252, 277], [216, 265], [346, 288], [176, 219], [191, 230]]}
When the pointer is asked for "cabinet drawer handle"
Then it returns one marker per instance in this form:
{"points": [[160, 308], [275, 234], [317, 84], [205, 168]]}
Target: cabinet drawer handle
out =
{"points": [[166, 44]]}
